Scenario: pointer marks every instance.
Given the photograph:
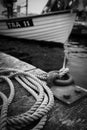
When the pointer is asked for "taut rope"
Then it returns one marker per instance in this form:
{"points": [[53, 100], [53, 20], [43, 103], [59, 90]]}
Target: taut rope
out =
{"points": [[56, 73]]}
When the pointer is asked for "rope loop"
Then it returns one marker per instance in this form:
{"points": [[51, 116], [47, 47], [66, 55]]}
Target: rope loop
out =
{"points": [[55, 80], [40, 91]]}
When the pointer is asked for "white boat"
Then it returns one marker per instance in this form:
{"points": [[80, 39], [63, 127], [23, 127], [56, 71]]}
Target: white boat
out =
{"points": [[53, 26]]}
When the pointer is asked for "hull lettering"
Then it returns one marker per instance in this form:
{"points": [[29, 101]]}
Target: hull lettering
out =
{"points": [[20, 24]]}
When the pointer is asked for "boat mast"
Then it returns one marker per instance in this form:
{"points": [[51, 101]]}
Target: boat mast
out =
{"points": [[26, 7]]}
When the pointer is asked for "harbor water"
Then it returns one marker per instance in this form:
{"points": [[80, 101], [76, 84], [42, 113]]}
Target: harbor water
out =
{"points": [[77, 57], [49, 56]]}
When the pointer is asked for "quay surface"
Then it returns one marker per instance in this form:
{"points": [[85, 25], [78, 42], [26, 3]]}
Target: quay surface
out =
{"points": [[61, 117]]}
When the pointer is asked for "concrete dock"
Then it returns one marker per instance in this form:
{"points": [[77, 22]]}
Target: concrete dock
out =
{"points": [[61, 117]]}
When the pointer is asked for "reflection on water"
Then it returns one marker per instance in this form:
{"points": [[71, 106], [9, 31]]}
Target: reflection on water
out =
{"points": [[77, 55]]}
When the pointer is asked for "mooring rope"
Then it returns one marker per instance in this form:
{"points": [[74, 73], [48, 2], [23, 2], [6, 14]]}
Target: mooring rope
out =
{"points": [[39, 90], [55, 73], [10, 84], [6, 102], [3, 116]]}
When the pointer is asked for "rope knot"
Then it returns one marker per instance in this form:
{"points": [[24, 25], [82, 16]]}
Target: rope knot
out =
{"points": [[56, 75]]}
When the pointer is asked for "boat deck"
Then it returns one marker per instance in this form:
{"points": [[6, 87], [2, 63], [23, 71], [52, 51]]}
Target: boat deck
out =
{"points": [[61, 117]]}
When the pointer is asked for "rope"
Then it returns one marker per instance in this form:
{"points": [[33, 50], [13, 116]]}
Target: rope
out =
{"points": [[39, 90], [6, 102], [12, 91], [51, 75], [3, 116]]}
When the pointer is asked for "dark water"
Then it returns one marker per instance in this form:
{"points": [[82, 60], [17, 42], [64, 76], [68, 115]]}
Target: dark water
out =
{"points": [[77, 57], [46, 56], [49, 56]]}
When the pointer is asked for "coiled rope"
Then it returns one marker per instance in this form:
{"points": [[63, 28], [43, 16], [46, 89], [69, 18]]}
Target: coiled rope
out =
{"points": [[39, 90], [3, 116]]}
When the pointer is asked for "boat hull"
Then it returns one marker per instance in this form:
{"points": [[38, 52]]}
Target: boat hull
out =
{"points": [[55, 27]]}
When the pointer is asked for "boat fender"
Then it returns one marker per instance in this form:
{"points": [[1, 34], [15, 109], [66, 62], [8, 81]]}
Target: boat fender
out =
{"points": [[57, 81]]}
